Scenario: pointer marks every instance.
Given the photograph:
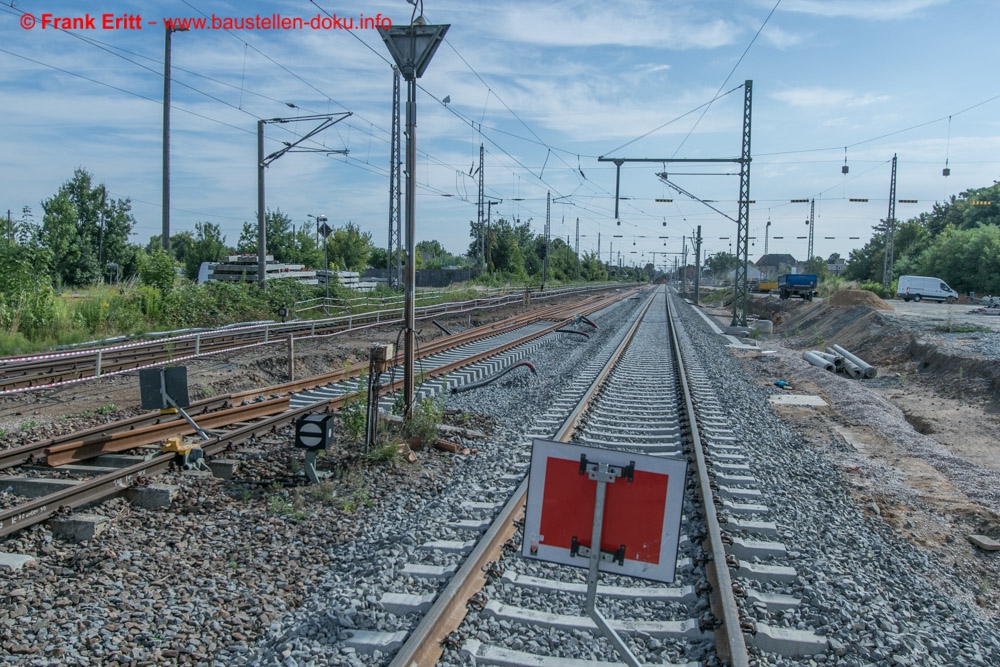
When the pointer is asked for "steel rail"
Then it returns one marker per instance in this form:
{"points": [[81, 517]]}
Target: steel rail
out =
{"points": [[423, 645], [730, 643], [43, 508], [75, 451], [40, 371], [35, 452]]}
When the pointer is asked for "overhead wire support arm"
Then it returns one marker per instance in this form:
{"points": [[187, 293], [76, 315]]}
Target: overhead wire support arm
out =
{"points": [[663, 177], [264, 162], [619, 161], [294, 147]]}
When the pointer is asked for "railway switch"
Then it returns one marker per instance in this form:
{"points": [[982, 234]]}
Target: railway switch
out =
{"points": [[313, 433], [187, 456]]}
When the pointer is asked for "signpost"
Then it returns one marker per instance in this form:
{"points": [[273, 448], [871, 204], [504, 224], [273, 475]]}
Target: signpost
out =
{"points": [[627, 504]]}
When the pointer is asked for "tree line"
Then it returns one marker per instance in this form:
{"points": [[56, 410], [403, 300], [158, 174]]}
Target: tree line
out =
{"points": [[957, 241], [83, 241]]}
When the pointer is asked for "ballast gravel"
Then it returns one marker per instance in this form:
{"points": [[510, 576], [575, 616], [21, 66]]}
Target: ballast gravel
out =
{"points": [[877, 599], [218, 580], [234, 573]]}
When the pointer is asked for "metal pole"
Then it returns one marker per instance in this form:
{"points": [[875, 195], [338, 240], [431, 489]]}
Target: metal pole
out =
{"points": [[697, 266], [812, 226], [740, 297], [593, 573], [577, 250], [548, 217], [411, 266], [100, 243], [165, 240], [261, 234], [395, 267], [480, 219], [890, 230]]}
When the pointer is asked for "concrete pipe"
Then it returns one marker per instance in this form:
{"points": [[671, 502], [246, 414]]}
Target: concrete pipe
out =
{"points": [[838, 360], [852, 369], [835, 359], [813, 358], [866, 369]]}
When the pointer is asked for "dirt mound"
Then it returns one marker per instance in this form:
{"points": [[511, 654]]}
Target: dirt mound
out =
{"points": [[857, 297]]}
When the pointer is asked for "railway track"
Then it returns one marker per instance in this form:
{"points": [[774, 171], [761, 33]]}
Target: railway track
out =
{"points": [[237, 419], [54, 369], [284, 576], [463, 594]]}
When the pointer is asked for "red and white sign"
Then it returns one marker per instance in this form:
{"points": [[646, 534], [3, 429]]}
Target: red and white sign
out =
{"points": [[643, 515]]}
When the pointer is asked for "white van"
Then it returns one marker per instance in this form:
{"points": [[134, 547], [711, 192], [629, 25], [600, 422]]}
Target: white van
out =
{"points": [[924, 287]]}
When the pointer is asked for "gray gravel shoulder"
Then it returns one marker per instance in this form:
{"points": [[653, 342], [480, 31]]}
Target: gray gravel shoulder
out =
{"points": [[870, 592]]}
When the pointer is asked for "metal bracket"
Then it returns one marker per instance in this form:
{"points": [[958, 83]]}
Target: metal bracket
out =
{"points": [[602, 472], [616, 556]]}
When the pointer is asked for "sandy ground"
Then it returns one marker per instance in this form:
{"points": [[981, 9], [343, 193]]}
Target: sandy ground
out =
{"points": [[917, 445]]}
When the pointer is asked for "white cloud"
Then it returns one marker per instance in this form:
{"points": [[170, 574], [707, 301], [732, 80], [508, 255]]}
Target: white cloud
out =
{"points": [[635, 23], [817, 96], [860, 9], [781, 39], [652, 69]]}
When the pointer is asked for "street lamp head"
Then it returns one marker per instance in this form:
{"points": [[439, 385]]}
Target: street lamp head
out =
{"points": [[413, 46]]}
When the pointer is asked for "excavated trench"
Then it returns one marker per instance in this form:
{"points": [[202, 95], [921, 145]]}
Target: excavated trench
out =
{"points": [[882, 341]]}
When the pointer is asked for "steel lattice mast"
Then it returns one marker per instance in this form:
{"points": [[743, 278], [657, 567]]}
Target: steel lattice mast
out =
{"points": [[394, 248], [481, 217], [812, 226], [743, 219], [890, 230]]}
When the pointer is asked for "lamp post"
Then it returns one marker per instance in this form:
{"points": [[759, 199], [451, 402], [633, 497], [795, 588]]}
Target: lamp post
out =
{"points": [[165, 240], [489, 233], [412, 48]]}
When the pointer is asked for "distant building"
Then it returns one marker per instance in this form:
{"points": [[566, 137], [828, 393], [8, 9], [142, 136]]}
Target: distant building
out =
{"points": [[753, 273], [776, 264]]}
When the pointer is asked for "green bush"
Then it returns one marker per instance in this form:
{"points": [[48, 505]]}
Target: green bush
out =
{"points": [[885, 293], [425, 420]]}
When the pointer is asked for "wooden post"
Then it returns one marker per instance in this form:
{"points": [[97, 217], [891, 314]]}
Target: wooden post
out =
{"points": [[291, 357]]}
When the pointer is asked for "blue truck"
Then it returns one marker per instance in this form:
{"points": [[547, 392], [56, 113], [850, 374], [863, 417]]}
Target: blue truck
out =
{"points": [[797, 284]]}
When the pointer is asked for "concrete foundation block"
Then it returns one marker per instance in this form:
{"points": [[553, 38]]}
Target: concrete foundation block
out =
{"points": [[34, 487], [79, 527], [224, 468], [153, 496]]}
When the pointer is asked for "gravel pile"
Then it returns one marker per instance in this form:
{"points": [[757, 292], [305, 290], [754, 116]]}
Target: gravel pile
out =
{"points": [[877, 598]]}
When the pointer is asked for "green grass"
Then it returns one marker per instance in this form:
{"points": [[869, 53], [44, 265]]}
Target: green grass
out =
{"points": [[292, 508], [358, 499], [386, 453]]}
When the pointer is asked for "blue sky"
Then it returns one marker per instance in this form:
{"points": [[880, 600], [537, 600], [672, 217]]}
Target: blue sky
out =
{"points": [[547, 87]]}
